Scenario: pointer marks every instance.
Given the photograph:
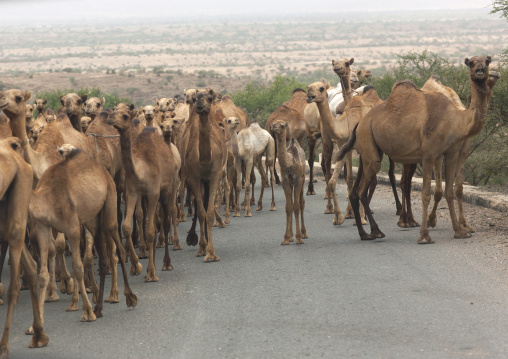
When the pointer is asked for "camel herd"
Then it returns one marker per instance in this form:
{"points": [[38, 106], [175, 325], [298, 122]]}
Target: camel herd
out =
{"points": [[65, 175]]}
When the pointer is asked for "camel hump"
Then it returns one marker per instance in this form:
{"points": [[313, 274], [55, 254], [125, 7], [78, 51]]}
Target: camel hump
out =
{"points": [[148, 130], [367, 88], [404, 83], [436, 78], [299, 89]]}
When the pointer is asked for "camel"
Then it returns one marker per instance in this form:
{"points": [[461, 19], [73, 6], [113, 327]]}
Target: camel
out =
{"points": [[151, 173], [338, 130], [152, 116], [5, 127], [15, 193], [37, 127], [93, 106], [29, 114], [182, 110], [225, 108], [292, 165], [204, 155], [72, 107], [65, 205], [165, 104], [85, 122], [248, 147], [432, 127]]}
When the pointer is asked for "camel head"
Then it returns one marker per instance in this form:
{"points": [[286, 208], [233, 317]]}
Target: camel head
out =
{"points": [[129, 108], [203, 100], [29, 112], [169, 115], [13, 102], [478, 67], [65, 150], [166, 104], [72, 103], [120, 119], [342, 67], [177, 122], [231, 123], [50, 115], [40, 105], [316, 92], [189, 94], [93, 105], [279, 127], [85, 122], [363, 74], [148, 112], [167, 128]]}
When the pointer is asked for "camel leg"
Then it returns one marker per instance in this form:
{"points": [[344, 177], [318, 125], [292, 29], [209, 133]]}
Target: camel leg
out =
{"points": [[252, 184], [403, 223], [42, 233], [450, 168], [312, 149], [110, 254], [110, 227], [327, 158], [51, 293], [424, 237], [150, 236], [238, 188], [338, 217], [411, 171], [459, 186], [264, 183], [165, 201], [140, 221], [88, 263], [173, 212], [288, 192], [161, 239], [95, 236], [4, 248], [211, 192], [298, 188], [302, 208], [188, 202], [272, 183], [359, 192], [130, 204], [391, 175], [277, 179], [438, 191], [350, 180], [78, 272], [248, 171], [227, 193], [66, 282], [181, 197]]}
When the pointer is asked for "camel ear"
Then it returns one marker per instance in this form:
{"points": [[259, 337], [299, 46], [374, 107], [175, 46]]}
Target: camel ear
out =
{"points": [[27, 96], [333, 62], [131, 107], [45, 102], [352, 61], [489, 59], [467, 62], [84, 98], [103, 101], [61, 100]]}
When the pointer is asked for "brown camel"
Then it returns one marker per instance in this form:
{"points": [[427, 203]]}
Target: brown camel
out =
{"points": [[292, 166], [93, 106], [204, 155], [72, 105], [225, 108], [151, 173], [5, 126], [432, 126], [29, 110], [65, 205], [15, 193], [37, 127]]}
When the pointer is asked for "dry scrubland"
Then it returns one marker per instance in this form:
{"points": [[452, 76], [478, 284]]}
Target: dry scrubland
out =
{"points": [[226, 54]]}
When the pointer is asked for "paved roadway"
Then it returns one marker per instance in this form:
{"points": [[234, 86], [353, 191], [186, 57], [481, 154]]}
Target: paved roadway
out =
{"points": [[333, 297]]}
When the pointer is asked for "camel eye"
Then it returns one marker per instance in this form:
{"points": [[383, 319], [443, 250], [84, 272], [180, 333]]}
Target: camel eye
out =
{"points": [[98, 105], [18, 99], [79, 102], [125, 117], [347, 64]]}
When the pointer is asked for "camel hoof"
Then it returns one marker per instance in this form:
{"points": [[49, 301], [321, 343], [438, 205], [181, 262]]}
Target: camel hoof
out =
{"points": [[259, 208], [131, 300], [273, 208], [167, 267], [136, 269], [113, 298], [414, 224], [88, 316], [432, 221], [236, 214], [285, 242], [142, 254], [367, 237], [151, 278], [192, 239], [304, 235], [248, 214], [402, 224], [53, 297], [424, 239], [39, 340], [72, 308], [177, 247], [339, 219], [311, 193], [67, 286], [182, 219], [299, 241], [377, 234], [462, 234], [227, 221], [30, 331], [211, 258], [161, 244], [465, 226]]}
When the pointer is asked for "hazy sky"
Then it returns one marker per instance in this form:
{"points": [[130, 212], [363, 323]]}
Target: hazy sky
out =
{"points": [[49, 11]]}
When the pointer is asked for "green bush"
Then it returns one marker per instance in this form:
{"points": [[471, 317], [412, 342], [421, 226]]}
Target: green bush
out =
{"points": [[259, 100]]}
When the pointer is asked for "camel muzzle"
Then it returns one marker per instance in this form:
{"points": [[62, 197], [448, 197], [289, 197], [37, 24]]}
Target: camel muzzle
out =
{"points": [[310, 99]]}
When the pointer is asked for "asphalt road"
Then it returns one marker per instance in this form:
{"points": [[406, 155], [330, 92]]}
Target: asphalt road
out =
{"points": [[332, 297]]}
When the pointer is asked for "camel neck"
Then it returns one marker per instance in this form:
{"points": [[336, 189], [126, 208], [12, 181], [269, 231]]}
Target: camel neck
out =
{"points": [[345, 82], [205, 128], [76, 122], [326, 120], [281, 150], [477, 111], [18, 126], [126, 150]]}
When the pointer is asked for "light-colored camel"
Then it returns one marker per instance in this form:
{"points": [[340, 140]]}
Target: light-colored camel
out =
{"points": [[72, 105], [29, 110], [165, 104], [182, 110], [414, 126], [204, 155], [93, 106], [62, 201], [152, 117], [5, 126], [85, 122], [151, 172], [15, 193], [37, 127], [249, 145], [292, 166]]}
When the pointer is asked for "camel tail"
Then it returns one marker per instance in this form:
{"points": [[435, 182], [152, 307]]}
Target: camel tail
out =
{"points": [[348, 146]]}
